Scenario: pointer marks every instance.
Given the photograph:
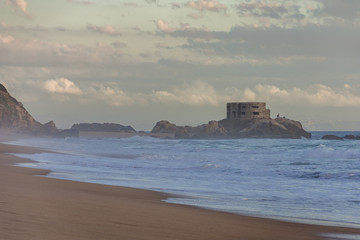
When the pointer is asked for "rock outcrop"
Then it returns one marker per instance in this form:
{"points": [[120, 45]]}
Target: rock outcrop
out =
{"points": [[331, 137], [352, 137], [236, 128], [103, 127], [334, 137], [14, 116]]}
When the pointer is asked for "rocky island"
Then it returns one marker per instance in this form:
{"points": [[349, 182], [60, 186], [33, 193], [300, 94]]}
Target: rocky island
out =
{"points": [[244, 120], [103, 127]]}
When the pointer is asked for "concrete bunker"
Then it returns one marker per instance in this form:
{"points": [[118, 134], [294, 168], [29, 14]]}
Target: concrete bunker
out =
{"points": [[247, 110]]}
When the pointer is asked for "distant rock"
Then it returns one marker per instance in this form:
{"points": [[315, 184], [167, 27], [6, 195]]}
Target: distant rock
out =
{"points": [[67, 133], [334, 137], [331, 137], [48, 129], [236, 128], [352, 137], [103, 127], [164, 127]]}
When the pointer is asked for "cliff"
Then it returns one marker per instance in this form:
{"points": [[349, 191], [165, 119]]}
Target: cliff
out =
{"points": [[236, 128], [14, 116], [103, 127]]}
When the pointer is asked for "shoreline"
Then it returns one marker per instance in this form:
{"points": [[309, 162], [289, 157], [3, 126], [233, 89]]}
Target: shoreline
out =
{"points": [[35, 207]]}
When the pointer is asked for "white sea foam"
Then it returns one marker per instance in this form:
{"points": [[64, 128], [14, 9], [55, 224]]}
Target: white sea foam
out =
{"points": [[283, 178]]}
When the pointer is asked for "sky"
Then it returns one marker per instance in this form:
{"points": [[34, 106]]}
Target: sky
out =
{"points": [[138, 62]]}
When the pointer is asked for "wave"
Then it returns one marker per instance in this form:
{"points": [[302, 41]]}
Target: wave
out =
{"points": [[326, 175], [333, 152]]}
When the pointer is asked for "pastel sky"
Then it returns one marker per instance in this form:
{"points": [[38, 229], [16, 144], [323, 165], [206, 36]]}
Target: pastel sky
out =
{"points": [[138, 62]]}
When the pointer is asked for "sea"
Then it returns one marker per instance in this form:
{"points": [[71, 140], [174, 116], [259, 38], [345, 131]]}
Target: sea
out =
{"points": [[300, 180]]}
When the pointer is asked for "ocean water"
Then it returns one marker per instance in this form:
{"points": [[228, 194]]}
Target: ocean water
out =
{"points": [[304, 180]]}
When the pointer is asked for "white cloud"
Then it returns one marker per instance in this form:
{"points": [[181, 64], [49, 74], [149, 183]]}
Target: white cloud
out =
{"points": [[6, 39], [202, 5], [103, 30], [184, 30], [112, 95], [248, 95], [321, 95], [164, 26], [317, 95], [194, 94], [198, 93], [271, 90], [62, 85], [20, 5]]}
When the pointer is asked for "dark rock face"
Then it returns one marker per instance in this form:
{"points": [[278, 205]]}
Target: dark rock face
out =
{"points": [[67, 133], [3, 89], [352, 137], [13, 115], [236, 128], [48, 129], [332, 137], [103, 127], [165, 127]]}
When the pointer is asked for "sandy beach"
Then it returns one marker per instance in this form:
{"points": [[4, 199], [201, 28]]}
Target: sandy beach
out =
{"points": [[34, 207]]}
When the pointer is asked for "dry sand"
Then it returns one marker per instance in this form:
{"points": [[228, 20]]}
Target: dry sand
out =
{"points": [[35, 208]]}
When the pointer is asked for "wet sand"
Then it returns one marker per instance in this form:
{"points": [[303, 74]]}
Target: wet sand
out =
{"points": [[34, 208]]}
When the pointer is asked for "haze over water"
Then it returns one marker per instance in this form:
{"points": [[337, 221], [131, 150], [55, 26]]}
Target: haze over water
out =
{"points": [[306, 180]]}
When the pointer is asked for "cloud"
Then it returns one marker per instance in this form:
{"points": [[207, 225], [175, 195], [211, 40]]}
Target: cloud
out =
{"points": [[63, 86], [118, 44], [194, 94], [194, 16], [197, 93], [317, 95], [151, 1], [274, 45], [266, 9], [185, 30], [284, 14], [164, 26], [208, 5], [248, 95], [347, 9], [4, 25], [82, 2], [131, 4], [42, 53], [104, 30], [175, 5], [112, 95], [293, 14], [6, 39], [19, 5]]}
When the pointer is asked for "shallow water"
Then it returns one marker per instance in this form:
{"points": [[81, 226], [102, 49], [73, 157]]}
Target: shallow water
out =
{"points": [[306, 180]]}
